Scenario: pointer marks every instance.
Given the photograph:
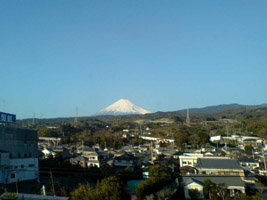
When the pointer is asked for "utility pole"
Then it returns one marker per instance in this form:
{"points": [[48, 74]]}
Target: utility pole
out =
{"points": [[82, 146], [227, 138], [17, 188], [264, 162], [53, 188], [172, 144], [151, 147], [172, 152]]}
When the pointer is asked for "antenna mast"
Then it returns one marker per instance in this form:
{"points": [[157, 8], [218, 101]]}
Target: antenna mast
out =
{"points": [[33, 119]]}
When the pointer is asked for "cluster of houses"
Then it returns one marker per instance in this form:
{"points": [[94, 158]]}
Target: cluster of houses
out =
{"points": [[232, 173]]}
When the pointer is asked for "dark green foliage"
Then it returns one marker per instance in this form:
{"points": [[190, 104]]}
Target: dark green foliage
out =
{"points": [[177, 119], [248, 149], [110, 188], [213, 191], [194, 194], [156, 181], [84, 192], [209, 188], [47, 132], [210, 119]]}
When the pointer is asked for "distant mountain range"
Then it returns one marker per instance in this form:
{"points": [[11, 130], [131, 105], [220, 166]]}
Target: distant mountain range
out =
{"points": [[219, 108], [126, 108]]}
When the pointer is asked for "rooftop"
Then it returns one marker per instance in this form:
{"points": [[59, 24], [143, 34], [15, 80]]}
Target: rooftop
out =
{"points": [[209, 163], [220, 180]]}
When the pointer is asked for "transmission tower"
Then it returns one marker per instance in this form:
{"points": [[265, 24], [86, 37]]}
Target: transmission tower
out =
{"points": [[187, 116], [76, 115], [33, 119]]}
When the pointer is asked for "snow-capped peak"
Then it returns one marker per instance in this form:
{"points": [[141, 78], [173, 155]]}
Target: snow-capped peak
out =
{"points": [[122, 107]]}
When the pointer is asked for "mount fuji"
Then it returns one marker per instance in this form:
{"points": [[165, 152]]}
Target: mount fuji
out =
{"points": [[122, 107]]}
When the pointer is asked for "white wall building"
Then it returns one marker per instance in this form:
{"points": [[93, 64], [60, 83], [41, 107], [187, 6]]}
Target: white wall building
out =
{"points": [[18, 155], [189, 159]]}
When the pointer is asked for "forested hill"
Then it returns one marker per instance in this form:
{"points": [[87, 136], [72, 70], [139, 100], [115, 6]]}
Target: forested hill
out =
{"points": [[219, 108]]}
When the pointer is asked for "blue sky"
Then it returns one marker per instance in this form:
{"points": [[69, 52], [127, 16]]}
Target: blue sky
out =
{"points": [[57, 55]]}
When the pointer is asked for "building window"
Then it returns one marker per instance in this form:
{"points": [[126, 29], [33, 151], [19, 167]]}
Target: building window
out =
{"points": [[31, 165], [12, 176], [19, 155], [10, 155], [22, 166], [25, 155]]}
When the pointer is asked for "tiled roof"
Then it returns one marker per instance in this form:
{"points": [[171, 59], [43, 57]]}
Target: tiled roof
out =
{"points": [[220, 180], [206, 163], [246, 159], [79, 158]]}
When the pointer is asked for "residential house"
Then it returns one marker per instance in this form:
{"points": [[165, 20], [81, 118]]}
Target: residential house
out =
{"points": [[231, 184], [189, 159], [58, 148], [177, 154], [233, 152], [126, 160], [91, 158], [85, 150], [248, 163], [259, 171], [208, 148], [250, 142], [219, 166], [96, 159], [48, 152], [79, 160]]}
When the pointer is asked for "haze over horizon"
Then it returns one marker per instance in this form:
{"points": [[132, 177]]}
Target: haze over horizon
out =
{"points": [[162, 56]]}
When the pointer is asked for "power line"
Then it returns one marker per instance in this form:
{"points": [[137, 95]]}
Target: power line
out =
{"points": [[67, 171]]}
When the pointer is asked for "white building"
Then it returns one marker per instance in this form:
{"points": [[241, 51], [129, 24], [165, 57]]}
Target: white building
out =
{"points": [[189, 159], [48, 152], [18, 154]]}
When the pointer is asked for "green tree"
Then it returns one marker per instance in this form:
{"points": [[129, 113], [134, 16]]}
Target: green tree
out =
{"points": [[180, 138], [194, 193], [110, 188], [156, 181], [248, 149], [84, 192], [194, 139], [209, 189]]}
